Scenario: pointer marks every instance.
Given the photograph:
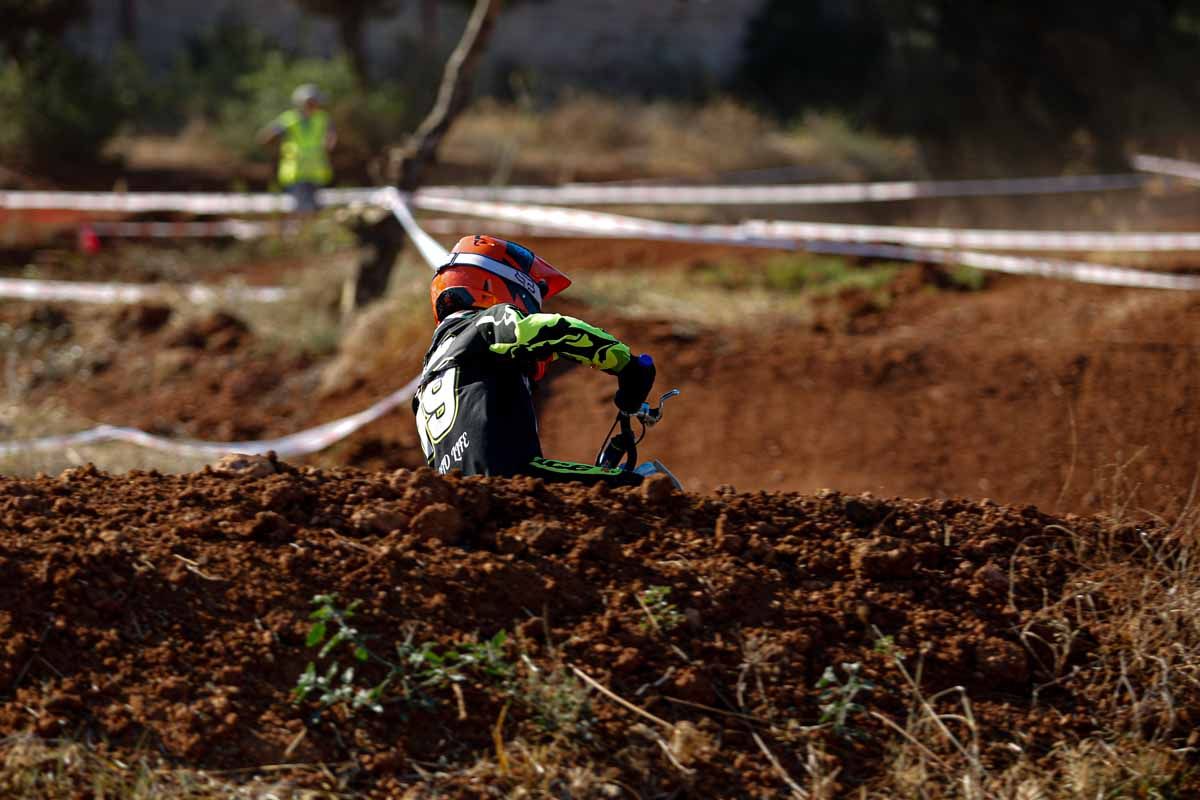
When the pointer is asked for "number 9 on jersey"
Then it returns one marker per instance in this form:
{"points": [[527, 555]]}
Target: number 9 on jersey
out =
{"points": [[437, 408]]}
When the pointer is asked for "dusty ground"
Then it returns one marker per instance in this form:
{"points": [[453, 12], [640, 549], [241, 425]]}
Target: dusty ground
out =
{"points": [[168, 615], [164, 617], [1026, 391]]}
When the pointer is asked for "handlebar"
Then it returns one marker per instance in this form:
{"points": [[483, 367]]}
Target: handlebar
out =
{"points": [[651, 416], [624, 444]]}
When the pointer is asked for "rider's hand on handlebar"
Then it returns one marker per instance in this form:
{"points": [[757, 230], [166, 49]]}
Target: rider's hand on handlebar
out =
{"points": [[634, 383]]}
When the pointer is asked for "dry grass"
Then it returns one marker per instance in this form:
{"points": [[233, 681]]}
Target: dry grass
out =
{"points": [[1125, 637], [1135, 595], [392, 334], [590, 137], [62, 770], [314, 265]]}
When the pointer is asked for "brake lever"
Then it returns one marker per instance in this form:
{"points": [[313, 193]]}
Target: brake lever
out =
{"points": [[649, 415]]}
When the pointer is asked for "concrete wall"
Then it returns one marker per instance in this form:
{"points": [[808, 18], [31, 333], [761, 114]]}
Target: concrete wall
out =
{"points": [[626, 45]]}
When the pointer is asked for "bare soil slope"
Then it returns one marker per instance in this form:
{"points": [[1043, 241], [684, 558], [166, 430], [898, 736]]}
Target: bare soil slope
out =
{"points": [[166, 616], [1027, 391]]}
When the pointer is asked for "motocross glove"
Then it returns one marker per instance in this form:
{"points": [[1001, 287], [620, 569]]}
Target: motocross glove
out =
{"points": [[634, 383]]}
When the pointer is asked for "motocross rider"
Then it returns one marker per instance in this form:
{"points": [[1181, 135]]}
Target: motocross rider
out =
{"points": [[474, 408]]}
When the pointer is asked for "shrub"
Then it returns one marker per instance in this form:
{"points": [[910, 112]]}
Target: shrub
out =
{"points": [[365, 121], [57, 110]]}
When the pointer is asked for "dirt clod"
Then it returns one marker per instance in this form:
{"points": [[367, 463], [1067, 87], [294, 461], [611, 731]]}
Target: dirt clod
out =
{"points": [[438, 521], [245, 466], [1002, 661], [884, 557]]}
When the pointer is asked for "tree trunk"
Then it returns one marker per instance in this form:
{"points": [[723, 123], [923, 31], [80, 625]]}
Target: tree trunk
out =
{"points": [[385, 240], [350, 31], [127, 22]]}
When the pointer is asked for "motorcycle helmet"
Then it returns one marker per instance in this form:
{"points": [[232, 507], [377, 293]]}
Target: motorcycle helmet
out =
{"points": [[483, 271]]}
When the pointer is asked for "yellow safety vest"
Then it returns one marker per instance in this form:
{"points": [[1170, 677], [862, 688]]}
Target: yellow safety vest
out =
{"points": [[302, 156]]}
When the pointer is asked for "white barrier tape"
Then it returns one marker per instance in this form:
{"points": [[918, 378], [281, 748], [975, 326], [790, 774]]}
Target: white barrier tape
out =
{"points": [[188, 202], [434, 254], [235, 228], [85, 292], [790, 194], [296, 444], [345, 197], [1167, 166], [575, 194], [1078, 271], [313, 439], [450, 226], [602, 224], [140, 202], [764, 233], [976, 239], [596, 223]]}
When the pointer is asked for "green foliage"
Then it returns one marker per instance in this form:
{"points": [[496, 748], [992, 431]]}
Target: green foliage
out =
{"points": [[796, 273], [1031, 75], [837, 699], [58, 110], [206, 74], [967, 279], [416, 671], [661, 614], [365, 120], [29, 24], [555, 699]]}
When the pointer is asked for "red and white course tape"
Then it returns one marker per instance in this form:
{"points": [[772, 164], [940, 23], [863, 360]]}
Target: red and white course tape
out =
{"points": [[786, 194], [855, 241]]}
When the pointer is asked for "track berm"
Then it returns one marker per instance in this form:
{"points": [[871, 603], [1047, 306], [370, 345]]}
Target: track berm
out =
{"points": [[166, 617]]}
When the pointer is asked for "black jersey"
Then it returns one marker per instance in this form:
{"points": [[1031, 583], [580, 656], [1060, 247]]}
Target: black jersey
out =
{"points": [[474, 407]]}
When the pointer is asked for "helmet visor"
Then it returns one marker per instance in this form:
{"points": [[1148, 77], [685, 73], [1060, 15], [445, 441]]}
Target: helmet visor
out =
{"points": [[548, 278]]}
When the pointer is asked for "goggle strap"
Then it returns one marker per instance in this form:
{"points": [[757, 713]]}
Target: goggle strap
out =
{"points": [[499, 269]]}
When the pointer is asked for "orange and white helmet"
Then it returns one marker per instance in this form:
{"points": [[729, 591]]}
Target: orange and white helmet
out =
{"points": [[483, 271]]}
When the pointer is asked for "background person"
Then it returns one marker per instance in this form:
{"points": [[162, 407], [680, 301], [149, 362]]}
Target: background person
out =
{"points": [[307, 136]]}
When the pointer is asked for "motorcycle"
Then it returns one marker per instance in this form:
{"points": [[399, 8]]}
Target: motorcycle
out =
{"points": [[619, 450]]}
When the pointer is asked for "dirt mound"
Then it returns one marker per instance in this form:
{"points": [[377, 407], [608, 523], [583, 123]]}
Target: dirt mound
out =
{"points": [[169, 614]]}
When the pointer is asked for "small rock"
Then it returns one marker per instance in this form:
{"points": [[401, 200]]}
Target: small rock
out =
{"points": [[691, 684], [884, 557], [731, 543], [438, 521], [282, 497], [543, 537], [992, 577], [424, 486], [1002, 662], [510, 541], [246, 466], [865, 511], [381, 519], [271, 527], [627, 660], [657, 489], [599, 545]]}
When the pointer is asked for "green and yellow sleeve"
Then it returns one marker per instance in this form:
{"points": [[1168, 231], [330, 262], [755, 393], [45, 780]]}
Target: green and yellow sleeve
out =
{"points": [[539, 336]]}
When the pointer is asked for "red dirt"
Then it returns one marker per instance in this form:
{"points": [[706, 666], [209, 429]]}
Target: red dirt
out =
{"points": [[1028, 391], [167, 615]]}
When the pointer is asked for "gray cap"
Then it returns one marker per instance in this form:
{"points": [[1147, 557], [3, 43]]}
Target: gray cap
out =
{"points": [[307, 92]]}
